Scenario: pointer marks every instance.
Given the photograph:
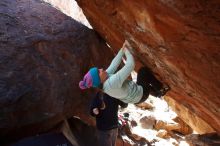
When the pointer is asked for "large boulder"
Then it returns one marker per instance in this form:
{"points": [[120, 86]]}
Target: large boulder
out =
{"points": [[179, 40], [43, 56]]}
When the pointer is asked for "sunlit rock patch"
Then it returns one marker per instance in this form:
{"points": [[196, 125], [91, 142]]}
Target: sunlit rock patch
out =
{"points": [[155, 124]]}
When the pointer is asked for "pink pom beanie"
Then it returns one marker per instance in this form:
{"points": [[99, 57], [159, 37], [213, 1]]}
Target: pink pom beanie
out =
{"points": [[91, 79]]}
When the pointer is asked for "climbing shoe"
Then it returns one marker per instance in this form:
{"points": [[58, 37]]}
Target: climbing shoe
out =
{"points": [[163, 91]]}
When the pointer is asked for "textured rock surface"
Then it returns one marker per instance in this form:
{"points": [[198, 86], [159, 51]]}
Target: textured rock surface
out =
{"points": [[178, 40], [195, 122], [43, 55], [209, 139]]}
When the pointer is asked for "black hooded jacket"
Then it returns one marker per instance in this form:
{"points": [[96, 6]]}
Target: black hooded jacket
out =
{"points": [[107, 118]]}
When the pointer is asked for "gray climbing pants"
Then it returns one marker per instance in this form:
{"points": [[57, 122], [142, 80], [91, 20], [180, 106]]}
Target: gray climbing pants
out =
{"points": [[107, 137]]}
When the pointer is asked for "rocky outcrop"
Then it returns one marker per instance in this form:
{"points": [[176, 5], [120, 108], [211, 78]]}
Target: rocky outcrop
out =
{"points": [[43, 56], [178, 40], [195, 122], [210, 139]]}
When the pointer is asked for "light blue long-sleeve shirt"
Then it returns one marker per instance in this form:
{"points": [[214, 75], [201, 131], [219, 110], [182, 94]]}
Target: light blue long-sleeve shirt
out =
{"points": [[117, 85]]}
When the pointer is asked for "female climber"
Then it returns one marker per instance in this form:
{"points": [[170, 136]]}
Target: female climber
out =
{"points": [[116, 83]]}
